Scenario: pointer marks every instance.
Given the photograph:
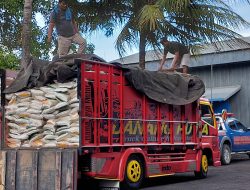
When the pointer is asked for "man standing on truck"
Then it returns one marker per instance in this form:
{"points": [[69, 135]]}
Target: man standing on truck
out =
{"points": [[181, 55], [67, 30]]}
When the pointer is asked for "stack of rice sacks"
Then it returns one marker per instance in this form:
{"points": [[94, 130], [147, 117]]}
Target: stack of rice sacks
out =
{"points": [[43, 117]]}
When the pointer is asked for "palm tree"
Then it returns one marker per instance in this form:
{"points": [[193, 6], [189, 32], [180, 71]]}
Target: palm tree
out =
{"points": [[144, 22], [26, 33]]}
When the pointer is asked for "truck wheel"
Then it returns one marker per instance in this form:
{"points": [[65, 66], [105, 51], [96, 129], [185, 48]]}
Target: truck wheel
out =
{"points": [[204, 168], [225, 155], [134, 173]]}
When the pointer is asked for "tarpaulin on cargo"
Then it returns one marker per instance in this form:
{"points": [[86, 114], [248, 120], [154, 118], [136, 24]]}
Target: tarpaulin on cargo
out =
{"points": [[171, 88], [40, 72]]}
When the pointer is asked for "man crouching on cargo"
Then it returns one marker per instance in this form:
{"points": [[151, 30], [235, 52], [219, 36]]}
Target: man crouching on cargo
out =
{"points": [[62, 18], [181, 55]]}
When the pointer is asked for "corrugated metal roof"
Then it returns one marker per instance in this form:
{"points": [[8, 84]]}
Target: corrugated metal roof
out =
{"points": [[221, 93], [205, 49]]}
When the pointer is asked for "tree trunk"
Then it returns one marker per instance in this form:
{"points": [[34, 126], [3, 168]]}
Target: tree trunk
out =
{"points": [[142, 52], [26, 33]]}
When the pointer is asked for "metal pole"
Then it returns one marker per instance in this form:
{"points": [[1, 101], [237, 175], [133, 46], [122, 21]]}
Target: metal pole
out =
{"points": [[212, 81]]}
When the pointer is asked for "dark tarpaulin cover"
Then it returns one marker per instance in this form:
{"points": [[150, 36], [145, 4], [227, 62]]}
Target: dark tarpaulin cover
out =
{"points": [[40, 72], [171, 88]]}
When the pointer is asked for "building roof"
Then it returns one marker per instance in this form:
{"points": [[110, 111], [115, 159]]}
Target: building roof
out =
{"points": [[221, 93], [240, 52]]}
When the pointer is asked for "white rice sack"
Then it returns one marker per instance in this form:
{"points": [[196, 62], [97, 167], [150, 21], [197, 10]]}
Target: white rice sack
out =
{"points": [[51, 95], [73, 94], [35, 122], [21, 121], [63, 90], [26, 145], [53, 85], [74, 130], [13, 125], [62, 97], [11, 140], [61, 128], [74, 110], [58, 133], [73, 144], [21, 110], [49, 111], [35, 116], [28, 99], [63, 123], [50, 137], [47, 132], [22, 130], [33, 132], [13, 100], [17, 131], [62, 144], [20, 137], [14, 131], [74, 125], [9, 96], [36, 137], [63, 114], [10, 108], [50, 144], [68, 85], [74, 118], [36, 105], [23, 94], [61, 105], [10, 117], [34, 111], [75, 105], [73, 140], [24, 115], [36, 143], [23, 104], [63, 137], [49, 127], [40, 98], [49, 103], [51, 122], [46, 89], [74, 100], [13, 145], [49, 116], [36, 92]]}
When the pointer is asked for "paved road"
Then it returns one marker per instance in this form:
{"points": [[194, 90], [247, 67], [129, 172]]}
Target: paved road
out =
{"points": [[232, 177], [235, 176]]}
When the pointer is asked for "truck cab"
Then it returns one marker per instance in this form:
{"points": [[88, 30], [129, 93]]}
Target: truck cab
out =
{"points": [[209, 132]]}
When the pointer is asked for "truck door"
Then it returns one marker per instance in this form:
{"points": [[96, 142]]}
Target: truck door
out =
{"points": [[235, 135], [244, 136]]}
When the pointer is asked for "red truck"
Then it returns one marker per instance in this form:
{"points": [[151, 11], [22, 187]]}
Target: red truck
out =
{"points": [[127, 137]]}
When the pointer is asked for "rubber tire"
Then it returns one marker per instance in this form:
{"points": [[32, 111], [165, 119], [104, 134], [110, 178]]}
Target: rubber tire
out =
{"points": [[226, 154], [127, 183], [203, 168]]}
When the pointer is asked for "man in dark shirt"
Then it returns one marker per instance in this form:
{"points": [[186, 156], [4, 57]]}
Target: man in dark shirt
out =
{"points": [[66, 28], [181, 55]]}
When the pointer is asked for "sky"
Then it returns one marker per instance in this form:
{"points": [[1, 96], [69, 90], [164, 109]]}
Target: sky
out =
{"points": [[105, 47]]}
